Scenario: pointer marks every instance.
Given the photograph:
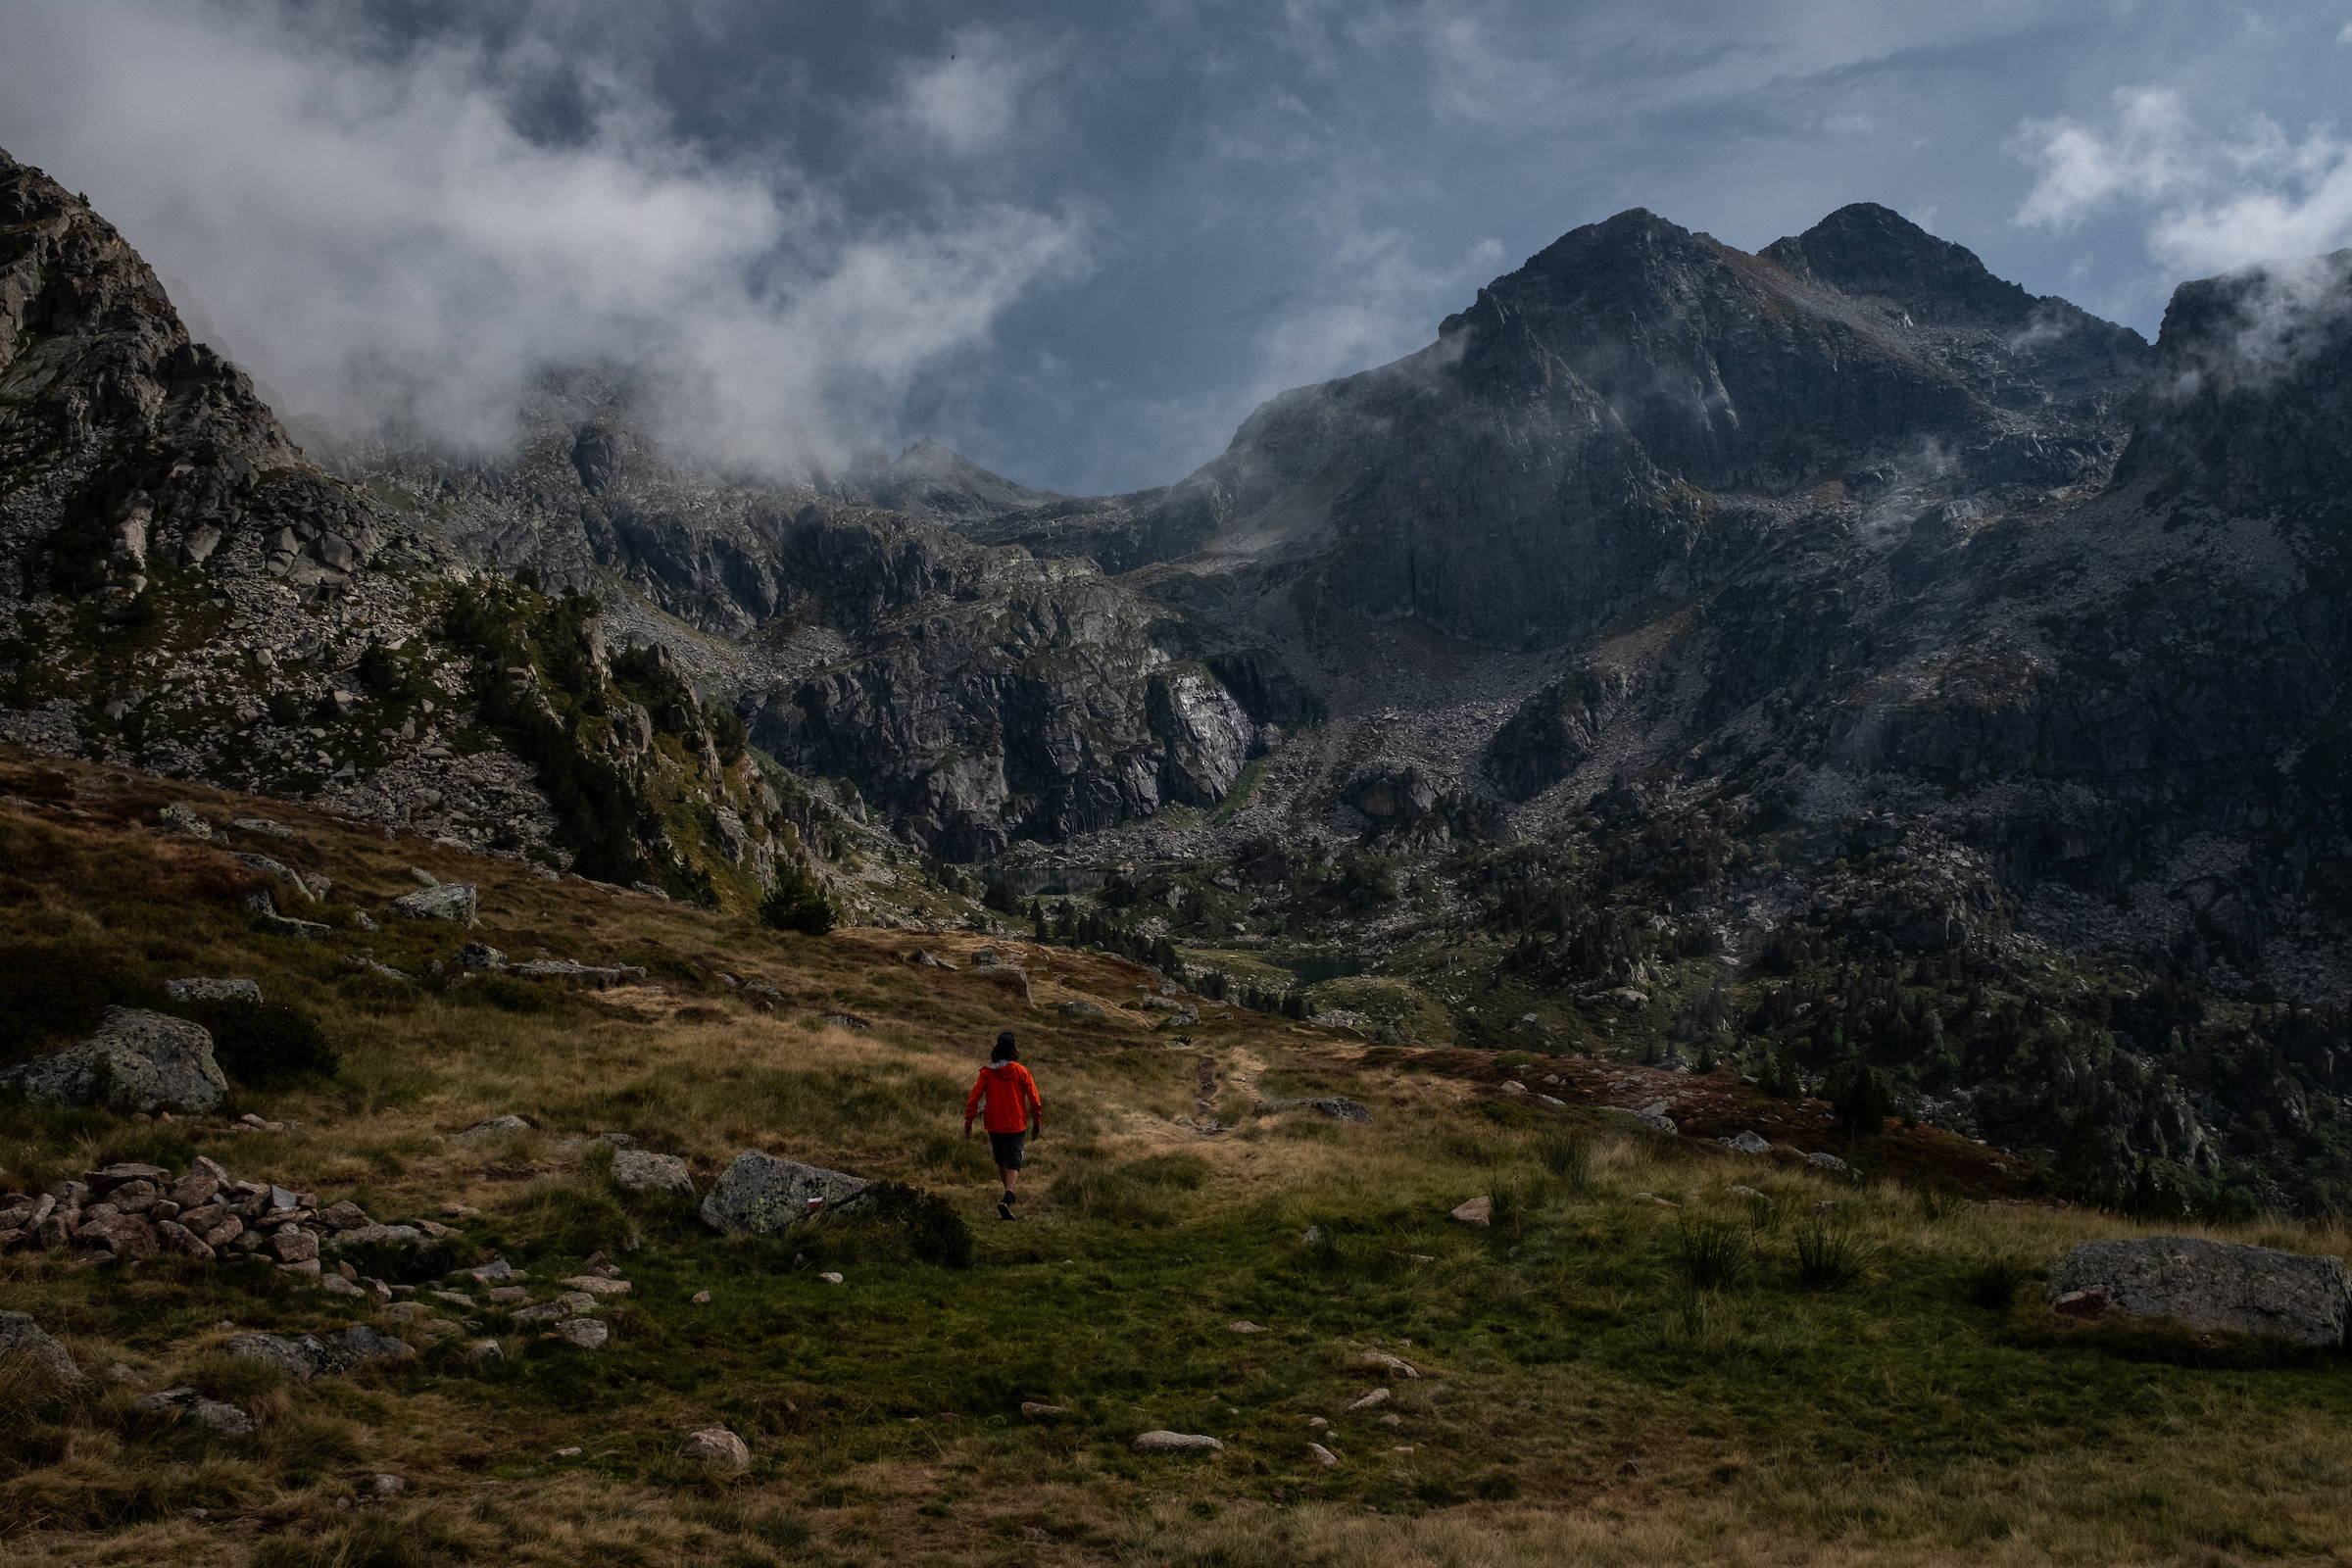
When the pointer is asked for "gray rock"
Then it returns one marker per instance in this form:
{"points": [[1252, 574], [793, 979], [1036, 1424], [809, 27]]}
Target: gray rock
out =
{"points": [[214, 991], [584, 1333], [21, 1338], [379, 1236], [284, 875], [304, 1356], [925, 958], [642, 1170], [181, 818], [190, 1406], [1478, 1212], [481, 956], [1176, 1442], [498, 1126], [762, 1194], [1749, 1143], [1339, 1108], [265, 915], [1082, 1010], [589, 975], [1827, 1161], [263, 826], [2212, 1285], [137, 1061], [458, 902], [719, 1447]]}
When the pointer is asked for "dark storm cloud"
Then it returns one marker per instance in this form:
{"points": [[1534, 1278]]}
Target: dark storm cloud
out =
{"points": [[1080, 241]]}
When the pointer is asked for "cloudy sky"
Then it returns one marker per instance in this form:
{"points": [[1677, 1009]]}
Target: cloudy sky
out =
{"points": [[1080, 240]]}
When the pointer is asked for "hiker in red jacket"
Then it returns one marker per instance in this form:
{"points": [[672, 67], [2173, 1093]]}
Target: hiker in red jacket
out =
{"points": [[1015, 1115]]}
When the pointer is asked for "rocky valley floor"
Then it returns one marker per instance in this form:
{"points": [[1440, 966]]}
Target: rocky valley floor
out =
{"points": [[1654, 1348]]}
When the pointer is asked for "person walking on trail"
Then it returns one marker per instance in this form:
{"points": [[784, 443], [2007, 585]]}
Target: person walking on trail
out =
{"points": [[1015, 1115]]}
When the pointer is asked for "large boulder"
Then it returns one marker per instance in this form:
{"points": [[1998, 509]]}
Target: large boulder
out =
{"points": [[454, 901], [2209, 1285], [760, 1194], [137, 1061], [21, 1336]]}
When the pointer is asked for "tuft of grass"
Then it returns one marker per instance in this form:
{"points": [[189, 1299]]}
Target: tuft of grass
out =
{"points": [[1714, 1254], [1993, 1283], [1829, 1257]]}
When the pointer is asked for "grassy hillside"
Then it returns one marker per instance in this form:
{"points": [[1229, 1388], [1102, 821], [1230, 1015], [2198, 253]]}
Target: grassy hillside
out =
{"points": [[1638, 1363]]}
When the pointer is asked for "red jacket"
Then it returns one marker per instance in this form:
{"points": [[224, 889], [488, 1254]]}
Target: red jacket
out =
{"points": [[1011, 1096]]}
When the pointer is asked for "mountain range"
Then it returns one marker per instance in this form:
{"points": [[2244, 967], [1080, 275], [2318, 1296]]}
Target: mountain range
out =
{"points": [[1828, 662]]}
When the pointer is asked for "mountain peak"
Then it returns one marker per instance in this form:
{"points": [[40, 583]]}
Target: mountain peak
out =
{"points": [[1864, 247]]}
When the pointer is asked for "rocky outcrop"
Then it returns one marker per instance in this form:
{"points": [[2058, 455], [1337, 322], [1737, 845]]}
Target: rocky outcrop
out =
{"points": [[2208, 1285], [760, 1194], [137, 1061]]}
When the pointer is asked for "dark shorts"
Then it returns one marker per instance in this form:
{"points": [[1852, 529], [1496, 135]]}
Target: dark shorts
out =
{"points": [[1006, 1148]]}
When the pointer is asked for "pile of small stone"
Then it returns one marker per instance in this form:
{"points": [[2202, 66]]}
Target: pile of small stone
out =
{"points": [[140, 1212]]}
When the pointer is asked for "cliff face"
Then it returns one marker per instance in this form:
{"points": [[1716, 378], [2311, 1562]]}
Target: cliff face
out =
{"points": [[970, 695]]}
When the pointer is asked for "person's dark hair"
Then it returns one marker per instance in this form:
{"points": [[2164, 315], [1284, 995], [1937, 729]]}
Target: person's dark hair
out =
{"points": [[1005, 1049]]}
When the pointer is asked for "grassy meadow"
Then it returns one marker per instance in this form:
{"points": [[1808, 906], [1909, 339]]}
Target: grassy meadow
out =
{"points": [[1636, 1364]]}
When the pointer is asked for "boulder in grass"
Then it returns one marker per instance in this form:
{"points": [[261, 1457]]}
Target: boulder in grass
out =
{"points": [[717, 1448], [1475, 1211], [1176, 1442], [1749, 1143], [498, 1126], [458, 902], [21, 1337], [2209, 1285], [760, 1194], [1339, 1108], [641, 1170], [137, 1061], [189, 1405]]}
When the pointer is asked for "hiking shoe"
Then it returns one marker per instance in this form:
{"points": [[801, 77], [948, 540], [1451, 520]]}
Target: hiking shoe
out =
{"points": [[1004, 1206]]}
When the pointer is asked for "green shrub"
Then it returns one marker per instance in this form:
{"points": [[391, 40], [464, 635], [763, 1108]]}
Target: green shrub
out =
{"points": [[264, 1043], [798, 903]]}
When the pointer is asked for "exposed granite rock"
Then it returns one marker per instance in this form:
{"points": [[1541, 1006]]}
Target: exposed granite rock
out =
{"points": [[762, 1195], [137, 1061], [2212, 1285]]}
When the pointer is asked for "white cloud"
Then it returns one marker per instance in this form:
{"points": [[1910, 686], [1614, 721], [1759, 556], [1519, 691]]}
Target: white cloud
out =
{"points": [[2209, 199], [370, 231], [970, 100]]}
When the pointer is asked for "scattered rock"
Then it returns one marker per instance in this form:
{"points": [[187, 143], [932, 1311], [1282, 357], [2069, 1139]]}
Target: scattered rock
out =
{"points": [[387, 1486], [702, 1297], [1176, 1442], [925, 958], [137, 1060], [1244, 1326], [596, 1285], [458, 902], [1339, 1108], [1385, 1362], [641, 1170], [23, 1338], [480, 958], [214, 991], [1322, 1456], [585, 1333], [181, 818], [189, 1405], [830, 1277], [1477, 1211], [1827, 1161], [263, 826], [1082, 1010], [717, 1448], [1037, 1412], [1512, 1086], [1748, 1143], [2079, 1303], [498, 1126], [591, 976], [1737, 1191], [1377, 1396], [2212, 1285], [848, 1020], [762, 1194]]}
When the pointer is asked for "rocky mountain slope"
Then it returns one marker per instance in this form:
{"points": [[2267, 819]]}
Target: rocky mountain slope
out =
{"points": [[1830, 660]]}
